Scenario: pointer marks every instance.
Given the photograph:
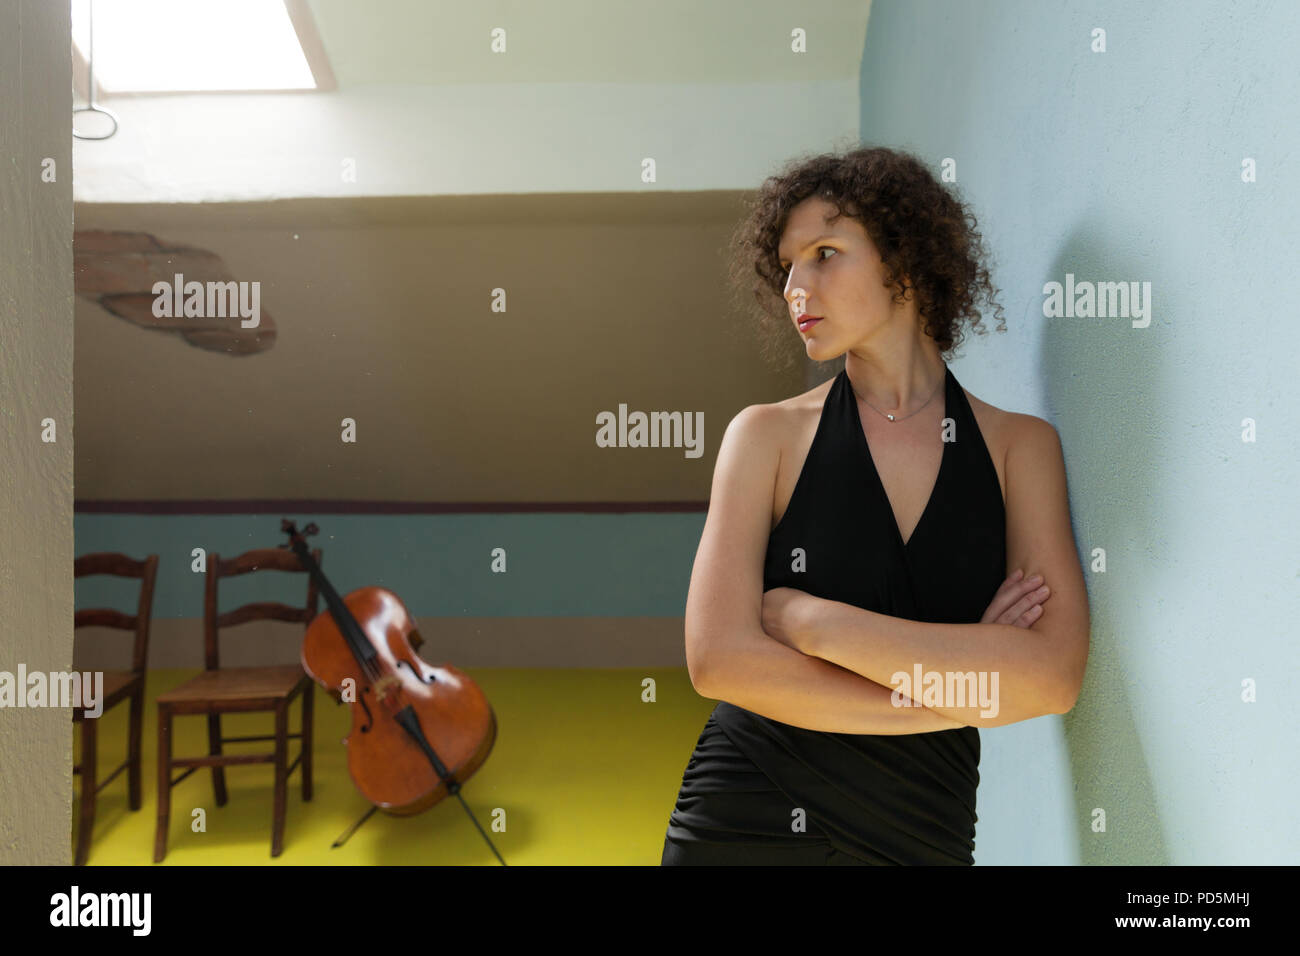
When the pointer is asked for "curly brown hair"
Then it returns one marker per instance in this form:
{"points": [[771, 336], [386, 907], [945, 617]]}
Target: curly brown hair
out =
{"points": [[926, 238]]}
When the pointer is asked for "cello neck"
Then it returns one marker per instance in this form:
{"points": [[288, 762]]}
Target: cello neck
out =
{"points": [[357, 642]]}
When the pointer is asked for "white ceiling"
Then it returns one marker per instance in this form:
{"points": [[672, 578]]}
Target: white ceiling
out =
{"points": [[587, 97], [591, 41]]}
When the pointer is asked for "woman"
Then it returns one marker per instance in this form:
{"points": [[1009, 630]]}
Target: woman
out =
{"points": [[864, 533]]}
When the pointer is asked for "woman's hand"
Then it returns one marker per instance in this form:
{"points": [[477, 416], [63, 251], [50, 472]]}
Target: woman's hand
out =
{"points": [[787, 617], [1018, 602], [790, 615]]}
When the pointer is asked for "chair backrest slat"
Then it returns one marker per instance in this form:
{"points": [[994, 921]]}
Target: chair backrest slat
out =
{"points": [[261, 559], [266, 610], [104, 617], [109, 562]]}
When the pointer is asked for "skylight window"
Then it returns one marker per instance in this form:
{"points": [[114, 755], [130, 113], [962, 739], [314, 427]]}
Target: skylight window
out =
{"points": [[157, 46]]}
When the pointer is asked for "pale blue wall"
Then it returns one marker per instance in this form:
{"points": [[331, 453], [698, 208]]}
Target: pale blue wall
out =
{"points": [[1126, 166], [557, 565]]}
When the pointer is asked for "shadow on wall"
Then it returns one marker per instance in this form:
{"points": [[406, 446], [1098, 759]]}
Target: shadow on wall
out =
{"points": [[1099, 375]]}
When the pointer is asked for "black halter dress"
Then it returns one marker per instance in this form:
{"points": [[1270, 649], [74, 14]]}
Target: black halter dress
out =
{"points": [[902, 799]]}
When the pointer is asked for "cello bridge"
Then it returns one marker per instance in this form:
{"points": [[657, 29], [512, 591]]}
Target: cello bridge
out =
{"points": [[380, 687]]}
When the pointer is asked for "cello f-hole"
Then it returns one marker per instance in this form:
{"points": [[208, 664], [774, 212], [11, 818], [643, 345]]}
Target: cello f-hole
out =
{"points": [[370, 718], [432, 678]]}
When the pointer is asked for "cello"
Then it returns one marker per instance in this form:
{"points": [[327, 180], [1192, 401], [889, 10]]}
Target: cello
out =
{"points": [[361, 653]]}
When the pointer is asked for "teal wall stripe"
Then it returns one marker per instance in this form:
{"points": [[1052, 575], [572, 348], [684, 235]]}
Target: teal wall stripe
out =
{"points": [[440, 565]]}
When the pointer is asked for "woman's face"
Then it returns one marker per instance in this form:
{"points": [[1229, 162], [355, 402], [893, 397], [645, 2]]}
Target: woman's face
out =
{"points": [[840, 274]]}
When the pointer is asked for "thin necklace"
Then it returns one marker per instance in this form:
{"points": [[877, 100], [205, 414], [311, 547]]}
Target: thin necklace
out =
{"points": [[942, 380]]}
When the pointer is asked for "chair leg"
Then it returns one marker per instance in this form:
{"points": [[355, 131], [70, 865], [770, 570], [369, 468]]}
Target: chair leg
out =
{"points": [[214, 748], [306, 741], [281, 776], [133, 747], [87, 819], [164, 782]]}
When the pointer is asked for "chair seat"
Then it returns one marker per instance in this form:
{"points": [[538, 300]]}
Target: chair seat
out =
{"points": [[238, 683], [116, 686]]}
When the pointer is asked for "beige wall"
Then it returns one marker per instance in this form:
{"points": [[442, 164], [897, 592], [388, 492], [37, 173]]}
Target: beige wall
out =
{"points": [[383, 314], [35, 383]]}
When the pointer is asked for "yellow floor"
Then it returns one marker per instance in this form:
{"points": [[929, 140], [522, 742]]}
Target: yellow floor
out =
{"points": [[586, 772]]}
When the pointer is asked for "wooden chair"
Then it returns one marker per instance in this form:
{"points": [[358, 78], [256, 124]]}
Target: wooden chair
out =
{"points": [[118, 685], [240, 689]]}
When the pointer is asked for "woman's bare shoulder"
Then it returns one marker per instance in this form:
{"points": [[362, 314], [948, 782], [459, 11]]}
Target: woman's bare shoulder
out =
{"points": [[1002, 430], [787, 420], [1003, 423], [989, 417]]}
